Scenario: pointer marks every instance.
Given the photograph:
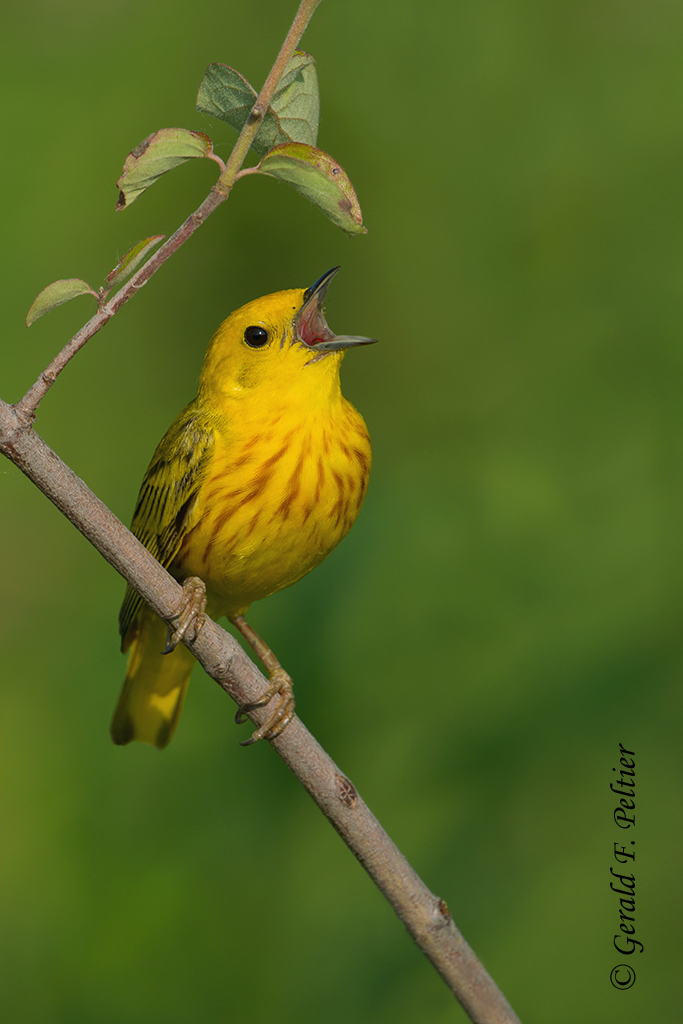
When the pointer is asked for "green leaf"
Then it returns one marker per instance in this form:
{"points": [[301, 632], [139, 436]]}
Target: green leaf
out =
{"points": [[132, 260], [315, 175], [55, 294], [294, 112], [292, 115], [157, 154], [225, 94]]}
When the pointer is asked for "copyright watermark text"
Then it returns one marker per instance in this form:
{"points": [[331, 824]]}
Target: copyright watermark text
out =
{"points": [[623, 882]]}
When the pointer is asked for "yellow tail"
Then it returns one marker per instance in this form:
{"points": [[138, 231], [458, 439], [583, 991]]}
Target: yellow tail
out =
{"points": [[154, 688]]}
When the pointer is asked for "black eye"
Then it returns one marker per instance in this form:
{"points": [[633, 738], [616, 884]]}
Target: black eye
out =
{"points": [[256, 337]]}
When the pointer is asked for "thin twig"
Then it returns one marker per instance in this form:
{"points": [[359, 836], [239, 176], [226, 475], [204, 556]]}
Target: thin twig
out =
{"points": [[27, 407], [260, 108], [424, 915]]}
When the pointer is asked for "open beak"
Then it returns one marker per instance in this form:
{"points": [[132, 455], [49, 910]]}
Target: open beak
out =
{"points": [[311, 325]]}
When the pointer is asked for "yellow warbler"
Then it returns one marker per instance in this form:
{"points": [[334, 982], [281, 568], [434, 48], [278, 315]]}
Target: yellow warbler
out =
{"points": [[256, 481]]}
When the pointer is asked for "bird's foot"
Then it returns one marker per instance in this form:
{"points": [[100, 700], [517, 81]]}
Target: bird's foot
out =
{"points": [[281, 686], [190, 617]]}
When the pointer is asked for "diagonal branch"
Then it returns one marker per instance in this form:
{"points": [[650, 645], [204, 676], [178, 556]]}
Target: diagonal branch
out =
{"points": [[27, 407], [424, 915]]}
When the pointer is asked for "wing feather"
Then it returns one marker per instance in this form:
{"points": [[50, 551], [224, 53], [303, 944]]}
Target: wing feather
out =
{"points": [[166, 506]]}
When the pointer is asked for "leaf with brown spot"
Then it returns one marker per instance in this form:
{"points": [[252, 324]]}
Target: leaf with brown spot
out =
{"points": [[315, 175], [154, 156]]}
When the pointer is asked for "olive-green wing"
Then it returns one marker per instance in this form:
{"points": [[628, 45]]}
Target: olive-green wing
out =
{"points": [[166, 506]]}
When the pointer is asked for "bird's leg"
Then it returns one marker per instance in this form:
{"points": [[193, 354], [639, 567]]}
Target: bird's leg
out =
{"points": [[190, 615], [280, 684]]}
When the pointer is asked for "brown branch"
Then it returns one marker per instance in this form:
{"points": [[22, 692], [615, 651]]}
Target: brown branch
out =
{"points": [[424, 915]]}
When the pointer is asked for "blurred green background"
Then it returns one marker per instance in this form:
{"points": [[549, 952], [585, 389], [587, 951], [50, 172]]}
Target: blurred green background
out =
{"points": [[505, 612]]}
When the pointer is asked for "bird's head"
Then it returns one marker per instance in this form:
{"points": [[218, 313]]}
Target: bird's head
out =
{"points": [[280, 343]]}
